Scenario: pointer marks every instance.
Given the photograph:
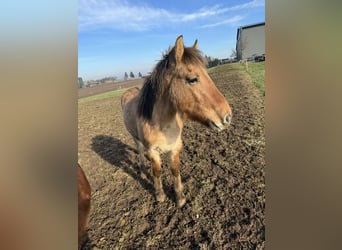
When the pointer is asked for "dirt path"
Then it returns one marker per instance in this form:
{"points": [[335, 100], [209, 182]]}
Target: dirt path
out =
{"points": [[223, 176]]}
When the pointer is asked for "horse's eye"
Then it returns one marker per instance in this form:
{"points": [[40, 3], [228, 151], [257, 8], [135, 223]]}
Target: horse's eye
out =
{"points": [[192, 81]]}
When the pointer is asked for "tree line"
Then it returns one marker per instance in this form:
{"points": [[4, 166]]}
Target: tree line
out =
{"points": [[212, 61], [131, 75]]}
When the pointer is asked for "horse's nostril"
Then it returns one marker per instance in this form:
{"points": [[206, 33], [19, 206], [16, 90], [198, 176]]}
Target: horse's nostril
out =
{"points": [[227, 119]]}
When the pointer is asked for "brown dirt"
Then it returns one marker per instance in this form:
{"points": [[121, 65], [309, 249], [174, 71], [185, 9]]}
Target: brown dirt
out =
{"points": [[108, 87], [223, 176]]}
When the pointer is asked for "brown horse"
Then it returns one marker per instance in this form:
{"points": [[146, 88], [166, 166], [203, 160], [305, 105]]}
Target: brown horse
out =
{"points": [[179, 88], [83, 202]]}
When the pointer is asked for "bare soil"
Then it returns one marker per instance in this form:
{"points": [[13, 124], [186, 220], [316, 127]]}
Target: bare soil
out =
{"points": [[84, 92], [223, 176]]}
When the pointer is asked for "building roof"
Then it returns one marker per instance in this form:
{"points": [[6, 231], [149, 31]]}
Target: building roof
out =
{"points": [[252, 25], [247, 27]]}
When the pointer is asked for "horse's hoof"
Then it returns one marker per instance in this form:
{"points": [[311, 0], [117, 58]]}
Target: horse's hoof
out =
{"points": [[181, 202], [160, 196]]}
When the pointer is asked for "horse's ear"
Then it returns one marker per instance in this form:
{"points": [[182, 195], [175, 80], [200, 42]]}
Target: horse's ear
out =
{"points": [[195, 46], [179, 49]]}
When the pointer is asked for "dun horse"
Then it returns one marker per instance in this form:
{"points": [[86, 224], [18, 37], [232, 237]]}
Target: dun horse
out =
{"points": [[179, 88], [83, 203]]}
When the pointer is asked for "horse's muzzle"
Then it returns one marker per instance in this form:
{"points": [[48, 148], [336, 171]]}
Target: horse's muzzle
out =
{"points": [[219, 126]]}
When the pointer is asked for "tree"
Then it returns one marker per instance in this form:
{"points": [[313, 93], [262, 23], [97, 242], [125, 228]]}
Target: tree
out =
{"points": [[212, 62], [233, 54], [131, 75], [207, 58], [126, 76], [108, 79], [140, 75], [80, 83]]}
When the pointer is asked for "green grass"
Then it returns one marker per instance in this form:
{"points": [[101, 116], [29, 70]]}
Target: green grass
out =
{"points": [[257, 72], [112, 93]]}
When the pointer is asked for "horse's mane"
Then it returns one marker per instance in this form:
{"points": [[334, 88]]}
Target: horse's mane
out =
{"points": [[158, 82]]}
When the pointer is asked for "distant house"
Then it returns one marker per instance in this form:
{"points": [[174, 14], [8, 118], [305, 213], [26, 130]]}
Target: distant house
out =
{"points": [[250, 41]]}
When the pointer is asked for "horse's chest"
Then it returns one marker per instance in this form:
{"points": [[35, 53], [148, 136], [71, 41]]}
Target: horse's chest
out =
{"points": [[171, 132], [168, 138]]}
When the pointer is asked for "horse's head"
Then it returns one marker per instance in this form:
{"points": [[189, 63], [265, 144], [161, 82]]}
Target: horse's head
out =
{"points": [[193, 92]]}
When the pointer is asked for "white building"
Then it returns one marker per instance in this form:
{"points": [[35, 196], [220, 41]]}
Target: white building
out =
{"points": [[250, 41]]}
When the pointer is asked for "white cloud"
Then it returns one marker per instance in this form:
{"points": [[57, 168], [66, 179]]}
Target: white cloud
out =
{"points": [[122, 15], [248, 5], [232, 21], [201, 13], [117, 14], [217, 9]]}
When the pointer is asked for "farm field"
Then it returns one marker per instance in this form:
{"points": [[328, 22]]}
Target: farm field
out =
{"points": [[223, 175], [85, 92]]}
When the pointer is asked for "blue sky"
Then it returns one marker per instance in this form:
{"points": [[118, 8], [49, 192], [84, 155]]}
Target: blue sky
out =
{"points": [[118, 36]]}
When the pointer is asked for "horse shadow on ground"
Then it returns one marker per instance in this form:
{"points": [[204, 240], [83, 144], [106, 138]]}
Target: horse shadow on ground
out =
{"points": [[118, 154], [85, 242]]}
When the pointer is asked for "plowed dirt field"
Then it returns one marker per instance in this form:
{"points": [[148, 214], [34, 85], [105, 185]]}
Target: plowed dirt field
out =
{"points": [[223, 176]]}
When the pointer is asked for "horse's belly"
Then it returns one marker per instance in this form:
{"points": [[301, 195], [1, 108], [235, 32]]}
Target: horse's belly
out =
{"points": [[130, 119], [131, 125]]}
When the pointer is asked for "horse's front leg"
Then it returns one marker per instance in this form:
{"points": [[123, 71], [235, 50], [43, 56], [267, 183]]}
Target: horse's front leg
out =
{"points": [[178, 186], [156, 170]]}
